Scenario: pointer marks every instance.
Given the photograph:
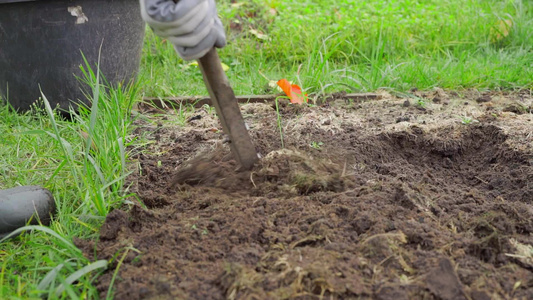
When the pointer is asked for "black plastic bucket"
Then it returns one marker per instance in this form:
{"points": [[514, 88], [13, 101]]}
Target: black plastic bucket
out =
{"points": [[42, 41]]}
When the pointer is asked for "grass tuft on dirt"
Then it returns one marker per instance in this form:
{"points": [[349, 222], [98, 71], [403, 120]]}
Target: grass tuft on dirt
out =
{"points": [[288, 170]]}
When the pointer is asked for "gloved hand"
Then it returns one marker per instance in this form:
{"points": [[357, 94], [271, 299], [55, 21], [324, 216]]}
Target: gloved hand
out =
{"points": [[191, 25]]}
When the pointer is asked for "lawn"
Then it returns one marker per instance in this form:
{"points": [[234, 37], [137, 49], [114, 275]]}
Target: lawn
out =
{"points": [[324, 46], [361, 46]]}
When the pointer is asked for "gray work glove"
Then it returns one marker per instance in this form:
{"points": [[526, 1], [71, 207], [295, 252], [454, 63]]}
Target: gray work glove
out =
{"points": [[191, 25]]}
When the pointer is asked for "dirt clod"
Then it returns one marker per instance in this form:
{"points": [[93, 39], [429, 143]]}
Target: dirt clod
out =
{"points": [[443, 282]]}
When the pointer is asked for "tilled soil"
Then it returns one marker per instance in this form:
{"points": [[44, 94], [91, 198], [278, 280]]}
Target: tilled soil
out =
{"points": [[389, 199]]}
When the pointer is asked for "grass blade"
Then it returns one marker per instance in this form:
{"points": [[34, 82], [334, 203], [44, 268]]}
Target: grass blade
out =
{"points": [[100, 264], [50, 277], [43, 229]]}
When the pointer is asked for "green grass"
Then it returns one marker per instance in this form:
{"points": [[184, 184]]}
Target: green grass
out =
{"points": [[323, 45], [84, 164], [360, 46]]}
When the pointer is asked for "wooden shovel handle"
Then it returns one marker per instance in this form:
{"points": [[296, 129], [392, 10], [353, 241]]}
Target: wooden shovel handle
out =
{"points": [[227, 108]]}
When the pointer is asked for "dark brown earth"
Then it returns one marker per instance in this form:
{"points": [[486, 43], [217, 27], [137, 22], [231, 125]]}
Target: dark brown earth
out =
{"points": [[372, 200]]}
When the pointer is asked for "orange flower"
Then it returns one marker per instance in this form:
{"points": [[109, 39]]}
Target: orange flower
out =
{"points": [[293, 91]]}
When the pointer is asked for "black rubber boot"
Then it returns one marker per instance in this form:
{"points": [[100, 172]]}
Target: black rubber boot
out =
{"points": [[22, 204]]}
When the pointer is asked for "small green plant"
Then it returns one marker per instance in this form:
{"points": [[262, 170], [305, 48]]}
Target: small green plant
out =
{"points": [[183, 112], [468, 120], [420, 102], [209, 108], [316, 145]]}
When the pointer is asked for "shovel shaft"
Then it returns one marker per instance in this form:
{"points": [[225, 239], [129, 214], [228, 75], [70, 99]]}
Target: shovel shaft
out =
{"points": [[227, 108]]}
